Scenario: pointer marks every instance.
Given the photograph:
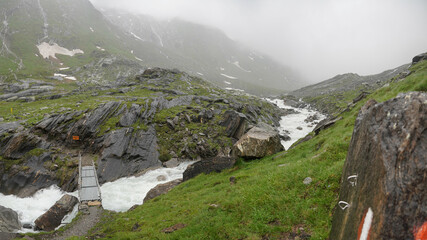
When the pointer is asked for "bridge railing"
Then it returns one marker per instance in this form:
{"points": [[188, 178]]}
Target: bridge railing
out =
{"points": [[79, 186], [97, 182]]}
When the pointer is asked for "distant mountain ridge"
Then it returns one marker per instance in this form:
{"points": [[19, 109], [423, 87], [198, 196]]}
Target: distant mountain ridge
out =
{"points": [[117, 45], [206, 52], [332, 96], [348, 81]]}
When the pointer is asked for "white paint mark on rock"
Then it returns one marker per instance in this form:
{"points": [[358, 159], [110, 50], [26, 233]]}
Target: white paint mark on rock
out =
{"points": [[367, 222]]}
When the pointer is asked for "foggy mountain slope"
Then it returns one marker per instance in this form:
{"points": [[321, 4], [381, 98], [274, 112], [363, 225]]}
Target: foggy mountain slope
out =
{"points": [[332, 95], [204, 51], [67, 25], [115, 46], [346, 82]]}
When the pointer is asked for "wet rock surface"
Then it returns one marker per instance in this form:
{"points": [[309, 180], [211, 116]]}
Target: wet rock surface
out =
{"points": [[235, 124], [258, 143], [384, 173], [9, 221], [215, 164], [126, 152], [53, 217], [17, 145], [161, 189], [125, 133], [324, 124]]}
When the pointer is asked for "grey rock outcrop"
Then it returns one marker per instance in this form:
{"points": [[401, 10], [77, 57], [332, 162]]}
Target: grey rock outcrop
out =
{"points": [[324, 124], [258, 143], [17, 145], [131, 116], [9, 221], [208, 165], [384, 176], [53, 217], [26, 183], [419, 57], [161, 189], [9, 127], [25, 93], [126, 152], [235, 124]]}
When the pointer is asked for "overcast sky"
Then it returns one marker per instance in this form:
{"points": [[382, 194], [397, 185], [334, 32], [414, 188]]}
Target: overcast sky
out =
{"points": [[320, 38]]}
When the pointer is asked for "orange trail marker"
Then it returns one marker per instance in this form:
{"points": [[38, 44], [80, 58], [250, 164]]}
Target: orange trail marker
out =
{"points": [[421, 233], [76, 138]]}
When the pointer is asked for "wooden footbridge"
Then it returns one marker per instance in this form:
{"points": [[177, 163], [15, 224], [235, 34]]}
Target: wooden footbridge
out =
{"points": [[88, 185]]}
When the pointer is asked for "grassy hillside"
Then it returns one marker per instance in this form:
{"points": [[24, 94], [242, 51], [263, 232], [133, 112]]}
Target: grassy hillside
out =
{"points": [[268, 200]]}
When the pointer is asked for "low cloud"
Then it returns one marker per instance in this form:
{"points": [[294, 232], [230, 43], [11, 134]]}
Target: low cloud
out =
{"points": [[318, 38]]}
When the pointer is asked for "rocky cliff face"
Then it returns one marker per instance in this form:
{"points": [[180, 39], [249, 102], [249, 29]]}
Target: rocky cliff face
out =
{"points": [[383, 193], [125, 128]]}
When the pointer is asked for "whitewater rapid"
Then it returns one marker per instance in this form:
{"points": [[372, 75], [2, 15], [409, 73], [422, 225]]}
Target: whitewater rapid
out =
{"points": [[118, 196], [123, 193], [290, 123]]}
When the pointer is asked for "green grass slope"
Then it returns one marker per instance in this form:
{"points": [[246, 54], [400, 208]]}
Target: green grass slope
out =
{"points": [[268, 200]]}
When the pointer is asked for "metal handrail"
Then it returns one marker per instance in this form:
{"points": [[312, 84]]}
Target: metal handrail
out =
{"points": [[79, 186], [97, 183]]}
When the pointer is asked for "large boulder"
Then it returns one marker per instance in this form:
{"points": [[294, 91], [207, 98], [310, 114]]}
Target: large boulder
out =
{"points": [[208, 165], [161, 189], [383, 192], [258, 143], [9, 221], [53, 217]]}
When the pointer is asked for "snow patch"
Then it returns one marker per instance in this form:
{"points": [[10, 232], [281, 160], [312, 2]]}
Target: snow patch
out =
{"points": [[71, 78], [229, 83], [59, 75], [234, 89], [135, 36], [139, 59], [236, 63], [64, 68], [251, 58], [100, 48], [158, 36], [47, 50], [227, 76], [131, 51], [222, 69], [64, 76], [201, 74], [91, 29]]}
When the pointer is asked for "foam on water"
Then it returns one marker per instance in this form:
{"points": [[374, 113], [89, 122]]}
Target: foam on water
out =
{"points": [[30, 208], [122, 194], [118, 196], [290, 122]]}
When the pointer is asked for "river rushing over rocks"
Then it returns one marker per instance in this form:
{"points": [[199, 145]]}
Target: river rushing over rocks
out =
{"points": [[297, 124], [121, 194], [118, 196]]}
